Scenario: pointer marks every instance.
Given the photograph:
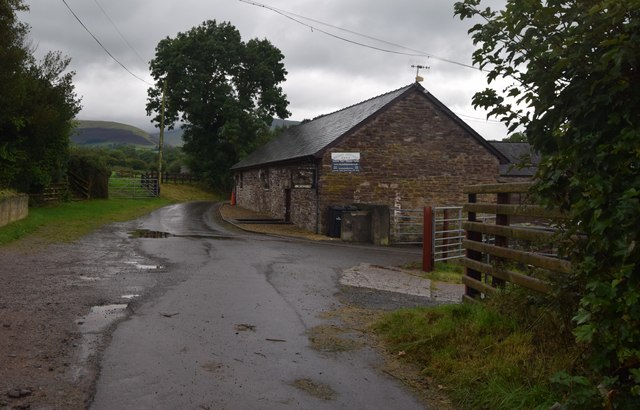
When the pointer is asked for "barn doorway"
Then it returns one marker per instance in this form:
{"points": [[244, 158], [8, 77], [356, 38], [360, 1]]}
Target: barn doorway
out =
{"points": [[287, 205]]}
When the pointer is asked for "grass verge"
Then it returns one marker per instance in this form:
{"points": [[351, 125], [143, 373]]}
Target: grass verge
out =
{"points": [[483, 356], [448, 272], [68, 221]]}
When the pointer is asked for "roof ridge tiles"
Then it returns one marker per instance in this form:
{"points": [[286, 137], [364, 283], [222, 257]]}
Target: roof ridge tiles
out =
{"points": [[362, 102]]}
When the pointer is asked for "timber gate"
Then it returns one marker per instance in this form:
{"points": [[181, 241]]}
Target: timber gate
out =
{"points": [[518, 248]]}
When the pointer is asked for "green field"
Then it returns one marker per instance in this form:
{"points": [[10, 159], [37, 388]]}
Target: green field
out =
{"points": [[68, 221]]}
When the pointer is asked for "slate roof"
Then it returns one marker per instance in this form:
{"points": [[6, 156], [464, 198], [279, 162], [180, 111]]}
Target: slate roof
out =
{"points": [[311, 138], [517, 153]]}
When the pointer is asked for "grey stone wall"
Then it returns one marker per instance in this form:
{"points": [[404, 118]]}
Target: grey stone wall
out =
{"points": [[264, 190], [13, 208], [411, 155]]}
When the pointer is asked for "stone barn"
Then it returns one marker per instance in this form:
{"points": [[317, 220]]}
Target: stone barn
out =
{"points": [[400, 150]]}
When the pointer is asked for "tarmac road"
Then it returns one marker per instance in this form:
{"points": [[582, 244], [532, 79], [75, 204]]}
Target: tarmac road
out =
{"points": [[234, 330]]}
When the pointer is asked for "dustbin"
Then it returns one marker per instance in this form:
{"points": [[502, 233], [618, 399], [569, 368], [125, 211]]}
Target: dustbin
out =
{"points": [[334, 219]]}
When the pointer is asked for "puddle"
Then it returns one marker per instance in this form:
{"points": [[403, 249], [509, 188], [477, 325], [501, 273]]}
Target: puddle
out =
{"points": [[145, 233], [89, 278], [101, 316], [91, 326], [144, 267]]}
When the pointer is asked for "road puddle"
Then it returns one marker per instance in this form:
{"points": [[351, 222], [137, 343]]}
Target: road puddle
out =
{"points": [[91, 327], [141, 266], [145, 233], [101, 316]]}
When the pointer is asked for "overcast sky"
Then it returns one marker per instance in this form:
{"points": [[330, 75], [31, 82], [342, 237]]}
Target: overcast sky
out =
{"points": [[325, 73]]}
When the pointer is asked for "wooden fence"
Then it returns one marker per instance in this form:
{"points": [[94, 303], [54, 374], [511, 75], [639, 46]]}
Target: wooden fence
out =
{"points": [[56, 192], [166, 177], [518, 248]]}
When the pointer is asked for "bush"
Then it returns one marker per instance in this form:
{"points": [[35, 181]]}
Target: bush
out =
{"points": [[88, 169]]}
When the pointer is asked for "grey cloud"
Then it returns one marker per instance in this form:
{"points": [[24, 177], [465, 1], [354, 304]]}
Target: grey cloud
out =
{"points": [[324, 73]]}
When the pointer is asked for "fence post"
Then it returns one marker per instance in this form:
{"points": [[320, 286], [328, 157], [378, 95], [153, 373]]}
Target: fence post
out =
{"points": [[502, 220], [427, 239], [471, 254]]}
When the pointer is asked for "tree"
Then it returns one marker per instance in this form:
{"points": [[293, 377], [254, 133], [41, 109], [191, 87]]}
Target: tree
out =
{"points": [[575, 91], [223, 90], [37, 105], [516, 137]]}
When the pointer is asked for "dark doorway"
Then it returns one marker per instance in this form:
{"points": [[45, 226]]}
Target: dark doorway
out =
{"points": [[287, 205]]}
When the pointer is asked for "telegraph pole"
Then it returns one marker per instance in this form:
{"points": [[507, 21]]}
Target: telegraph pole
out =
{"points": [[418, 67], [161, 138]]}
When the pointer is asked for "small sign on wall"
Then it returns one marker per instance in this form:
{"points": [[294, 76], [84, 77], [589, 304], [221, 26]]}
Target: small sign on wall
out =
{"points": [[345, 161], [303, 178]]}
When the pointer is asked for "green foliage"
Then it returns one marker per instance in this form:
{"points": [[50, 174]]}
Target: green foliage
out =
{"points": [[37, 104], [576, 92], [223, 90], [484, 357], [129, 158], [516, 137], [90, 167]]}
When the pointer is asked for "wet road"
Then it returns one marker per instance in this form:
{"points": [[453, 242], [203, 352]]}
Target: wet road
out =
{"points": [[233, 330]]}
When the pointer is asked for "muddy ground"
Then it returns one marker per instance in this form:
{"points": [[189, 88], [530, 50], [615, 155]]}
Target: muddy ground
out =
{"points": [[46, 292]]}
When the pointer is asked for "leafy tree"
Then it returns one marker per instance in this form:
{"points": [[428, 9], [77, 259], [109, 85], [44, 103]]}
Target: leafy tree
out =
{"points": [[516, 137], [48, 110], [13, 54], [37, 104], [90, 166], [576, 92], [223, 90]]}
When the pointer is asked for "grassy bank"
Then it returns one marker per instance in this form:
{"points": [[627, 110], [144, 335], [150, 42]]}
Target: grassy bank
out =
{"points": [[68, 221], [493, 356]]}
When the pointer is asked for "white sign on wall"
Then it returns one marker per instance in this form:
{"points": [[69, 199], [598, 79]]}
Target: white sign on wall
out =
{"points": [[345, 161]]}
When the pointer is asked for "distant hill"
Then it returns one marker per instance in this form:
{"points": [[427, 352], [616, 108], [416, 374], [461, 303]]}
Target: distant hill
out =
{"points": [[171, 137], [106, 133]]}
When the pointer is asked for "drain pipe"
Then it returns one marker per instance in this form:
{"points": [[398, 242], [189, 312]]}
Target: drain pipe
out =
{"points": [[317, 186]]}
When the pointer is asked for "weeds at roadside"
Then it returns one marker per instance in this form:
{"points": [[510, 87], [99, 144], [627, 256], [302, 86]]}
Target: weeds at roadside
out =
{"points": [[497, 355]]}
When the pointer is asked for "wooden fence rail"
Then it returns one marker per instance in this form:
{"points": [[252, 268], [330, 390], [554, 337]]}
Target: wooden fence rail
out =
{"points": [[518, 248]]}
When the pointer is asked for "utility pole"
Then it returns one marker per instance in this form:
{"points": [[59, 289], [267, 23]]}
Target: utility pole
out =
{"points": [[418, 67], [161, 138]]}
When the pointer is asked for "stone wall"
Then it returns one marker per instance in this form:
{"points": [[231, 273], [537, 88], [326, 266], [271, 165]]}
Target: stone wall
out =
{"points": [[13, 208], [264, 190], [411, 155]]}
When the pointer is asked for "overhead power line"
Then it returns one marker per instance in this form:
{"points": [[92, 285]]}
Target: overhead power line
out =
{"points": [[103, 47], [119, 32], [410, 51]]}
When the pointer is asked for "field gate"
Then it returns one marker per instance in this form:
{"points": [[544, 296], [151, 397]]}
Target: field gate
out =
{"points": [[141, 186], [442, 235]]}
